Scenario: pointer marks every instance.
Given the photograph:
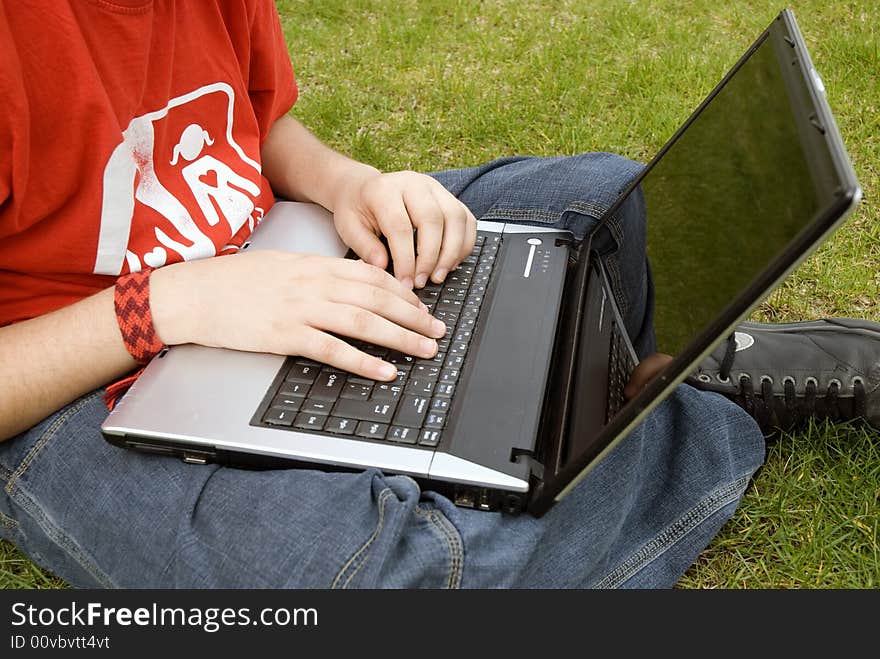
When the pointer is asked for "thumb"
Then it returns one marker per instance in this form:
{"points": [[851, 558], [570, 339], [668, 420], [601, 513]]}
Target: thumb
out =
{"points": [[361, 239], [647, 370]]}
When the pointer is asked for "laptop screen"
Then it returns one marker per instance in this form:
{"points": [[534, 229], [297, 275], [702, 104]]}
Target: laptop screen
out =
{"points": [[746, 188], [725, 199]]}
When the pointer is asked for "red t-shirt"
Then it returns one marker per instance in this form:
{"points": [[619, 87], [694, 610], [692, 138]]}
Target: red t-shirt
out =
{"points": [[130, 135]]}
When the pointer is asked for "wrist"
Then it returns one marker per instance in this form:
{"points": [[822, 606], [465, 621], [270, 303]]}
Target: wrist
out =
{"points": [[172, 306], [344, 179]]}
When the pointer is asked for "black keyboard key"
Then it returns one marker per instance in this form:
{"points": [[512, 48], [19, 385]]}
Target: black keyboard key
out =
{"points": [[365, 410], [290, 403], [386, 391], [459, 280], [435, 420], [425, 372], [450, 305], [340, 425], [411, 411], [419, 387], [302, 361], [371, 430], [429, 438], [436, 360], [278, 416], [427, 296], [356, 391], [294, 389], [327, 386], [302, 373], [448, 317], [310, 421], [453, 292], [317, 406], [440, 404], [462, 336], [399, 359], [403, 434], [449, 375], [458, 349], [445, 389], [454, 361]]}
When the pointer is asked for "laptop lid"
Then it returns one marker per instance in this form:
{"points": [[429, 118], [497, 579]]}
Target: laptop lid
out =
{"points": [[744, 191]]}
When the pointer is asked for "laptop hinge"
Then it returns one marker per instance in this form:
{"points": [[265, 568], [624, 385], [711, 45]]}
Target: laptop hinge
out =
{"points": [[520, 455]]}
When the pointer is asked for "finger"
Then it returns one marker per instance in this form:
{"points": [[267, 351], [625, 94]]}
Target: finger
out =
{"points": [[456, 237], [427, 217], [647, 370], [398, 229], [360, 271], [358, 323], [327, 349], [366, 244], [388, 305]]}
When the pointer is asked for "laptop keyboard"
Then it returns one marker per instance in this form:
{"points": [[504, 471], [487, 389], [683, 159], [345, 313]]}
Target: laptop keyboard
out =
{"points": [[414, 408], [620, 367]]}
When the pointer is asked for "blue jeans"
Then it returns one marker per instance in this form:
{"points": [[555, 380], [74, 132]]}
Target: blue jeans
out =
{"points": [[101, 516]]}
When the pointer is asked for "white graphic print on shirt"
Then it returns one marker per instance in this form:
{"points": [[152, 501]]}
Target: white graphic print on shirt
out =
{"points": [[194, 198]]}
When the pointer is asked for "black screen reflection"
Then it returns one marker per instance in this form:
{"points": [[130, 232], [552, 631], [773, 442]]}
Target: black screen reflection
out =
{"points": [[724, 200]]}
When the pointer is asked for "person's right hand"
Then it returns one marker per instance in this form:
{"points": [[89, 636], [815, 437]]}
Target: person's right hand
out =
{"points": [[291, 304]]}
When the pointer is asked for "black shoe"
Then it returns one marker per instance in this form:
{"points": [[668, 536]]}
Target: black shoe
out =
{"points": [[784, 374]]}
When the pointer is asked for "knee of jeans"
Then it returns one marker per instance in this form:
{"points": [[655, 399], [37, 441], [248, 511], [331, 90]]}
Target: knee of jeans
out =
{"points": [[413, 544], [721, 427]]}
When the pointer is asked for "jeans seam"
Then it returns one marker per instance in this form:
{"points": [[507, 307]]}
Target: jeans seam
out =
{"points": [[62, 540], [8, 522], [673, 533], [360, 556], [519, 214], [44, 439], [25, 501], [453, 543]]}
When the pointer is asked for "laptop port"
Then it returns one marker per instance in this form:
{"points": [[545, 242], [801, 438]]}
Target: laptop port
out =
{"points": [[195, 458], [464, 498], [512, 504], [483, 503]]}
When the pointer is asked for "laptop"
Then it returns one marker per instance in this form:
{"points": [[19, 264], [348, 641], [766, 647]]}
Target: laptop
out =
{"points": [[525, 396]]}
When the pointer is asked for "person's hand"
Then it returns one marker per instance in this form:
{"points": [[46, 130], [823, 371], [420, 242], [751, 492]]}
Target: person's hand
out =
{"points": [[394, 205], [646, 370], [292, 304]]}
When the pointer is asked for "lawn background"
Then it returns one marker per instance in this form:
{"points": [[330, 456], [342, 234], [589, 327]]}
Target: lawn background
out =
{"points": [[436, 84]]}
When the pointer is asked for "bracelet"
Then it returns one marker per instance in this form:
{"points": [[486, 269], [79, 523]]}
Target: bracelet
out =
{"points": [[131, 299]]}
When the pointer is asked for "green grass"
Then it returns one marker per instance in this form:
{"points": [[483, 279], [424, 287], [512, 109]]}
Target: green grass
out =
{"points": [[434, 84]]}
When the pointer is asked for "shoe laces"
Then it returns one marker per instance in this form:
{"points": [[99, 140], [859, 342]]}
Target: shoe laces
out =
{"points": [[784, 409]]}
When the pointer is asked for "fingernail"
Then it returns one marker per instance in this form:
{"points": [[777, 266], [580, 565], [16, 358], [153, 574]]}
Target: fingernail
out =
{"points": [[440, 274], [421, 279], [439, 327], [387, 371], [428, 346], [407, 282]]}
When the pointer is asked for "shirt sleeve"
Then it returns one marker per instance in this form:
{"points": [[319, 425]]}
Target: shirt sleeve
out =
{"points": [[271, 82]]}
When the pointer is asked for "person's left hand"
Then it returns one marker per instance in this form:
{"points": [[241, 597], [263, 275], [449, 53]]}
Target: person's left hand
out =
{"points": [[394, 205]]}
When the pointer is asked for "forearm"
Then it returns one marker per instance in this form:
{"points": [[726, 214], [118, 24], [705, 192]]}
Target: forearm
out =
{"points": [[301, 168], [49, 361]]}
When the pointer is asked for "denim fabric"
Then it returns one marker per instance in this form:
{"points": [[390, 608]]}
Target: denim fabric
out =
{"points": [[100, 516]]}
